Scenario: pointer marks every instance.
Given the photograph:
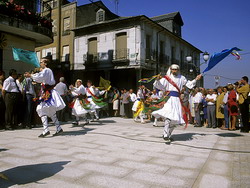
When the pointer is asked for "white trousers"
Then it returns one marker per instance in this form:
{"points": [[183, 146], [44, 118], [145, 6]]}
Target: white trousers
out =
{"points": [[141, 118], [168, 128], [94, 113], [46, 125]]}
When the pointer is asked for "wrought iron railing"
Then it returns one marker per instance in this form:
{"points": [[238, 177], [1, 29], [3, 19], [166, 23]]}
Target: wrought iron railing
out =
{"points": [[121, 54]]}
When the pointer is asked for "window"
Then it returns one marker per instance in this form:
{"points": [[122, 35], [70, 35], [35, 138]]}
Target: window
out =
{"points": [[121, 51], [65, 53], [38, 54], [182, 59], [173, 55], [54, 53], [92, 50], [54, 28], [148, 47], [100, 15], [66, 25]]}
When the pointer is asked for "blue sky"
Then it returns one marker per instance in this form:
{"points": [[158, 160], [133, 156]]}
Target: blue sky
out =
{"points": [[211, 26]]}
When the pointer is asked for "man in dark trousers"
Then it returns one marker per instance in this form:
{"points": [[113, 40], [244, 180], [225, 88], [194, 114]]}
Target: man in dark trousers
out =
{"points": [[11, 95], [243, 91]]}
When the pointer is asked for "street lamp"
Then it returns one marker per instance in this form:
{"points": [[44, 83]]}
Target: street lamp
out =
{"points": [[205, 58]]}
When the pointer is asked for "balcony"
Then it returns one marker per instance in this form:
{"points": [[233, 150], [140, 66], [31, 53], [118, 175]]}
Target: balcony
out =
{"points": [[16, 20], [121, 57], [150, 55], [163, 59], [95, 61]]}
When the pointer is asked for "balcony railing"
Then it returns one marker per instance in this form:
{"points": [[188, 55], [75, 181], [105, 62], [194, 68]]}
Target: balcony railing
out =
{"points": [[92, 58], [13, 10], [121, 54], [164, 59], [150, 54]]}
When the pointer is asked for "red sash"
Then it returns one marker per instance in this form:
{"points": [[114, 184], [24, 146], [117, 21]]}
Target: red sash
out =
{"points": [[185, 110], [88, 90]]}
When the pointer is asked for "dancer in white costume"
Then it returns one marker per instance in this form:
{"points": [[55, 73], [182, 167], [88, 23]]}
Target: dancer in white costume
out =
{"points": [[79, 92], [172, 109], [93, 92], [139, 101], [50, 101]]}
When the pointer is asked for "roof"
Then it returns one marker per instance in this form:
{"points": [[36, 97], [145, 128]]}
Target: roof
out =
{"points": [[176, 16]]}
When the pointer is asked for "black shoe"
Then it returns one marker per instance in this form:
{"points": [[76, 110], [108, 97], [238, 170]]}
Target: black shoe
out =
{"points": [[75, 123], [57, 133], [214, 127], [43, 135]]}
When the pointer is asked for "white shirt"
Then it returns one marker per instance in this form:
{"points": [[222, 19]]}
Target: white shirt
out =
{"points": [[139, 94], [19, 85], [78, 90], [213, 96], [9, 85], [180, 81], [61, 88], [197, 98], [133, 97], [225, 99], [45, 76]]}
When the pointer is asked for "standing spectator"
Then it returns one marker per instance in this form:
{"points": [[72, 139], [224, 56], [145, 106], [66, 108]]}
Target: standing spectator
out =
{"points": [[62, 89], [243, 91], [29, 96], [232, 106], [191, 107], [211, 100], [2, 105], [125, 101], [115, 102], [21, 101], [197, 99], [226, 113], [132, 99], [11, 95], [110, 103], [204, 108], [220, 107], [122, 113]]}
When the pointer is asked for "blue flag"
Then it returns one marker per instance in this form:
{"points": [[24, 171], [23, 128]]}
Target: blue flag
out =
{"points": [[25, 56], [217, 57]]}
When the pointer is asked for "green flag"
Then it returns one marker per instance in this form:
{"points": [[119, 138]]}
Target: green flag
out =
{"points": [[25, 56]]}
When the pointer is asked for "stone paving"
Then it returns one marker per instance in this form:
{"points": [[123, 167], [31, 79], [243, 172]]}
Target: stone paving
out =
{"points": [[119, 153]]}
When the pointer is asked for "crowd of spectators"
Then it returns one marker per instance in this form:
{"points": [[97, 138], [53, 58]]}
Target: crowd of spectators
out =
{"points": [[224, 107]]}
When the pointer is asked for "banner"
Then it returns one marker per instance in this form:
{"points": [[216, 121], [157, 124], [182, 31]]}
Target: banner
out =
{"points": [[25, 56], [217, 57]]}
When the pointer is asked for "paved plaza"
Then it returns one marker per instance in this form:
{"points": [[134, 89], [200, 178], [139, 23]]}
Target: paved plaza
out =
{"points": [[119, 153]]}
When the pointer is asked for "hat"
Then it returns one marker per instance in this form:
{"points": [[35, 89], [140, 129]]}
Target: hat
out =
{"points": [[173, 66]]}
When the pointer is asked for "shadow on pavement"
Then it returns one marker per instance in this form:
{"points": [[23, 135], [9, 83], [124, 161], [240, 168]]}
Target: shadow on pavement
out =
{"points": [[76, 133], [3, 149], [185, 136], [229, 134], [22, 175]]}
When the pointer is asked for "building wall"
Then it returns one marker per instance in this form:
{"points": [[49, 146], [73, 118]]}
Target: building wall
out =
{"points": [[8, 61], [105, 42], [67, 38]]}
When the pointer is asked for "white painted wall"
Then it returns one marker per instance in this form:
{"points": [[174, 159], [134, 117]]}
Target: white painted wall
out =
{"points": [[136, 43], [105, 42]]}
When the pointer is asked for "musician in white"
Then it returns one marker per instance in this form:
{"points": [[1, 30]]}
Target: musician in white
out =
{"points": [[172, 109]]}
